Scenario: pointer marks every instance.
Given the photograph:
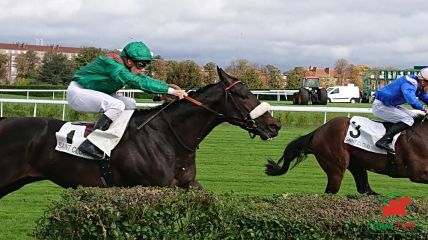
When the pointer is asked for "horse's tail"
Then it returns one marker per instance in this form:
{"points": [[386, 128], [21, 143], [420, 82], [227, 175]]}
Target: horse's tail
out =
{"points": [[298, 149]]}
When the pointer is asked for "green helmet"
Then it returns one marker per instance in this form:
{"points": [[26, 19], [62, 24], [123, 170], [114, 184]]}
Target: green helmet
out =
{"points": [[137, 51]]}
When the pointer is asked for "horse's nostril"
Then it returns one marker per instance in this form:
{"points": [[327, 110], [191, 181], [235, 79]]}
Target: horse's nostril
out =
{"points": [[275, 126]]}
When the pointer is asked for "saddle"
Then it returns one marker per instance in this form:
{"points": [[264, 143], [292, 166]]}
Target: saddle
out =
{"points": [[364, 133], [72, 134]]}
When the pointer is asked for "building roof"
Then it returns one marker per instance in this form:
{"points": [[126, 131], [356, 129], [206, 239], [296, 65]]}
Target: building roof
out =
{"points": [[39, 48], [321, 72]]}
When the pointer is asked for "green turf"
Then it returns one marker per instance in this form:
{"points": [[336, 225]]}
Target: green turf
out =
{"points": [[228, 160]]}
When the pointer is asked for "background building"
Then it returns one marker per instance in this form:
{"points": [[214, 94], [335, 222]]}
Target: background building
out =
{"points": [[14, 49]]}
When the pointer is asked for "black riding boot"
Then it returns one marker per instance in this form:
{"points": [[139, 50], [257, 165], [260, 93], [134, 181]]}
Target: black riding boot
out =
{"points": [[386, 140], [90, 149]]}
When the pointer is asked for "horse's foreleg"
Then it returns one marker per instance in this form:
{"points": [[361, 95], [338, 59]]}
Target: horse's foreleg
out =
{"points": [[361, 179], [186, 178], [420, 175], [195, 184], [13, 186]]}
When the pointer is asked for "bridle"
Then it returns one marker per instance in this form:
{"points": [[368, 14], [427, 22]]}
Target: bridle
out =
{"points": [[246, 122]]}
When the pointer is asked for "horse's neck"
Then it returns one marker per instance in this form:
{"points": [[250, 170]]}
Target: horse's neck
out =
{"points": [[193, 123], [184, 121]]}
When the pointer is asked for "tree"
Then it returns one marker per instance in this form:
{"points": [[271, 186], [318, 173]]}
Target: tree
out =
{"points": [[294, 76], [87, 55], [210, 73], [4, 64], [342, 70], [357, 74], [27, 65], [56, 69], [247, 72], [185, 74], [159, 68], [275, 77]]}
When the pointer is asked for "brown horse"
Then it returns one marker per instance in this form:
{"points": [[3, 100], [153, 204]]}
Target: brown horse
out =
{"points": [[335, 156], [161, 152]]}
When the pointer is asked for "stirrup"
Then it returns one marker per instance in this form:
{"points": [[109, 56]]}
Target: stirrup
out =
{"points": [[90, 149], [385, 146]]}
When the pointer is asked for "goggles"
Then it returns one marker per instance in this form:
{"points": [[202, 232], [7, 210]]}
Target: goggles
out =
{"points": [[141, 64]]}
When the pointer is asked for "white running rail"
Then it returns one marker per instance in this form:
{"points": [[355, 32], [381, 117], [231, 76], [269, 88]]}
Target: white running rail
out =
{"points": [[325, 110]]}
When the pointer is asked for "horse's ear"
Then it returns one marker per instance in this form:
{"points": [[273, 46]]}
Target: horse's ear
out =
{"points": [[225, 77]]}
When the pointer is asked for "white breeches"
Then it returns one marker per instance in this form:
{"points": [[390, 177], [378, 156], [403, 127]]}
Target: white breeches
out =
{"points": [[87, 100], [393, 114]]}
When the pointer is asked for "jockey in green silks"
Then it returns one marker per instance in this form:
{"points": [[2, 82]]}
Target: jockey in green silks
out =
{"points": [[94, 87]]}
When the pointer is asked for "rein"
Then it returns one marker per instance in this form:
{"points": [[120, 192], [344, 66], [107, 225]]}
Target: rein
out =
{"points": [[176, 135], [199, 104], [155, 115], [245, 122], [412, 129]]}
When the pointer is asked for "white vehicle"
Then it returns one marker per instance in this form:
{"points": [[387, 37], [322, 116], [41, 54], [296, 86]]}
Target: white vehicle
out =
{"points": [[349, 94]]}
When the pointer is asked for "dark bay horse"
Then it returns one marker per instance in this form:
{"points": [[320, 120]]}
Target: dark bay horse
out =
{"points": [[335, 156], [161, 153]]}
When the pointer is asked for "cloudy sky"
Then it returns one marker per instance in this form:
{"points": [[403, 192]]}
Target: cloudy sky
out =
{"points": [[285, 33]]}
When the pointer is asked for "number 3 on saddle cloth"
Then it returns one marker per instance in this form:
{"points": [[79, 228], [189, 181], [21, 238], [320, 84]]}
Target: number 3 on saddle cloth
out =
{"points": [[364, 133], [72, 134]]}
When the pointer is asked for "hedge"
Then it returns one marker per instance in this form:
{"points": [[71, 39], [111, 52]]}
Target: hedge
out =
{"points": [[168, 213]]}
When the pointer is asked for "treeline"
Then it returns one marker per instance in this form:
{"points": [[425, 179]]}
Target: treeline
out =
{"points": [[56, 69]]}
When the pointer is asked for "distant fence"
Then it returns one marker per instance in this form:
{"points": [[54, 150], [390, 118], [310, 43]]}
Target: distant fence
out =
{"points": [[277, 93], [325, 110], [131, 92], [61, 92]]}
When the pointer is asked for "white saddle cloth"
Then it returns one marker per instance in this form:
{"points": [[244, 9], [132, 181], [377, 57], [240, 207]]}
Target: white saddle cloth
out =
{"points": [[104, 140], [364, 133]]}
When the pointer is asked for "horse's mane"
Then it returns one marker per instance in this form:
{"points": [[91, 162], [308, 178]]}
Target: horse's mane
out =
{"points": [[419, 118]]}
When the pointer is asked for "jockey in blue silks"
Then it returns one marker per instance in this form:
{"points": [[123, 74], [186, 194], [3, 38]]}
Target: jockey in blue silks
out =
{"points": [[406, 89]]}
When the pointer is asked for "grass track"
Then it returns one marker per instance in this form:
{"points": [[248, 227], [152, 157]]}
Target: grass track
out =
{"points": [[228, 160]]}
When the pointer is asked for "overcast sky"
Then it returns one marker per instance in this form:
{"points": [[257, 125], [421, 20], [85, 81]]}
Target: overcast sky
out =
{"points": [[284, 33]]}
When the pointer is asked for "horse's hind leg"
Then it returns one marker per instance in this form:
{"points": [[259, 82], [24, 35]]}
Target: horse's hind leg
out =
{"points": [[334, 182], [361, 179], [16, 185], [334, 165], [334, 174]]}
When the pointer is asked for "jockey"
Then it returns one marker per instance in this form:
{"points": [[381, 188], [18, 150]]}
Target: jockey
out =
{"points": [[94, 87], [406, 89]]}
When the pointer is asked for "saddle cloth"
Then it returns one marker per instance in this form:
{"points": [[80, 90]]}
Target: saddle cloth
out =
{"points": [[364, 133], [71, 135]]}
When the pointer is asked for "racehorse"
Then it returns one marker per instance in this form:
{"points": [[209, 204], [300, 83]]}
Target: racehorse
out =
{"points": [[159, 153], [334, 156]]}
